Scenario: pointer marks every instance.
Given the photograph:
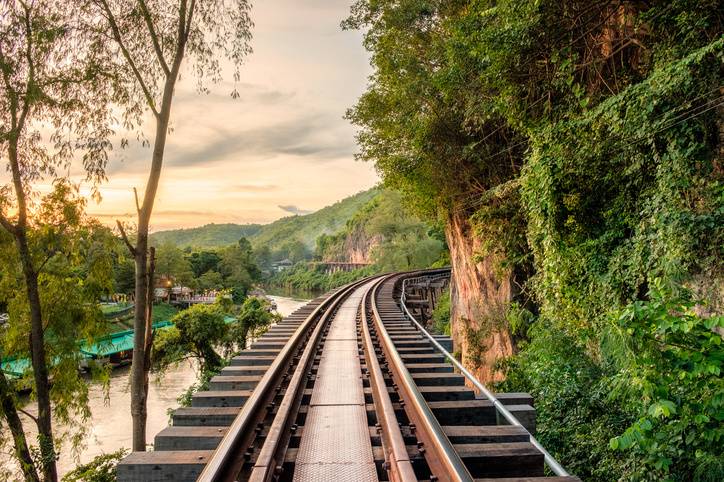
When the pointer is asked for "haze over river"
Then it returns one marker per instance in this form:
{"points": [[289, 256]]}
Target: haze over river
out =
{"points": [[110, 424]]}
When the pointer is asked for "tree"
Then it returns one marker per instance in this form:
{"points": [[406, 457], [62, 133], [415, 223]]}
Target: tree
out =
{"points": [[171, 264], [203, 329], [573, 150], [252, 320], [263, 257], [238, 268], [203, 261], [49, 77], [211, 280], [295, 250], [146, 42], [123, 274], [197, 331], [74, 255]]}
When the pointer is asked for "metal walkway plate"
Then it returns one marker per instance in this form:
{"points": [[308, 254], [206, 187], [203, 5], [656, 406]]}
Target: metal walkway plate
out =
{"points": [[336, 443], [335, 446]]}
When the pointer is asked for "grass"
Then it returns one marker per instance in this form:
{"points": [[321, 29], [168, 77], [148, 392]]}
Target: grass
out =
{"points": [[114, 308], [163, 312]]}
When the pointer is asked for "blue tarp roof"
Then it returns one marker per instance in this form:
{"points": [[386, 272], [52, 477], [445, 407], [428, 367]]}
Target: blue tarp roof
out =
{"points": [[115, 343], [15, 367]]}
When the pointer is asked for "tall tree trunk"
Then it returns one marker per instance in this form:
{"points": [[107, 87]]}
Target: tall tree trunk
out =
{"points": [[40, 367], [37, 336], [10, 412], [144, 286], [138, 392], [149, 316]]}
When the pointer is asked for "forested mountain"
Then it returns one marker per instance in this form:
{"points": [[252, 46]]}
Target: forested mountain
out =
{"points": [[207, 236], [385, 233], [297, 230], [307, 228], [573, 151]]}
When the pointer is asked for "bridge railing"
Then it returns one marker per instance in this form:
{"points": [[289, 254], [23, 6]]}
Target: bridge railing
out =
{"points": [[549, 460]]}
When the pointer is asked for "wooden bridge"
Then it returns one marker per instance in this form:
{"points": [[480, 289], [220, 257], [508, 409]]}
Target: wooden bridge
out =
{"points": [[349, 387]]}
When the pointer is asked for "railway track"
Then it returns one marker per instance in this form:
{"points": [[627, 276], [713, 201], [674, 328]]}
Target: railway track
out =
{"points": [[349, 387]]}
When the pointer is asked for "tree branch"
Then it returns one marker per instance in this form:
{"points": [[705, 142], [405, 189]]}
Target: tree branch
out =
{"points": [[138, 206], [181, 37], [28, 414], [31, 69], [18, 123], [154, 36], [117, 36], [130, 247], [5, 223], [187, 28], [51, 253], [5, 72]]}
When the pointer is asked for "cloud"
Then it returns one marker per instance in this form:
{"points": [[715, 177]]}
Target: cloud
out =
{"points": [[309, 136], [290, 208], [248, 93], [316, 137], [283, 141]]}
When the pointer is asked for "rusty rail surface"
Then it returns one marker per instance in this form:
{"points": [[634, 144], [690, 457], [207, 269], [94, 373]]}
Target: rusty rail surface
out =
{"points": [[441, 456], [271, 428], [227, 460], [272, 452], [399, 465], [552, 463]]}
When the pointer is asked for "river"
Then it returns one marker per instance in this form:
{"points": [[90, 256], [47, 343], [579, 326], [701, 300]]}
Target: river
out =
{"points": [[291, 293], [110, 423]]}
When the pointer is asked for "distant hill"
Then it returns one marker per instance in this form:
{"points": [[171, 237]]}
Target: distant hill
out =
{"points": [[208, 236], [305, 228], [309, 227]]}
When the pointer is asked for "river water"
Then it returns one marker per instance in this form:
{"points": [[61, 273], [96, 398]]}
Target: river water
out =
{"points": [[110, 423]]}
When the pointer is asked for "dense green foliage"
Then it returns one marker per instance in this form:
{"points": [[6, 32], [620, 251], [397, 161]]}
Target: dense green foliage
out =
{"points": [[163, 312], [383, 232], [580, 141], [314, 278], [375, 222], [441, 315], [100, 469], [74, 254], [196, 333], [395, 238], [305, 229], [202, 332], [233, 267]]}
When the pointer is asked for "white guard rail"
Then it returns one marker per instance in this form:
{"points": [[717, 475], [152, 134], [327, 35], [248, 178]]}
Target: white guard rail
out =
{"points": [[549, 460]]}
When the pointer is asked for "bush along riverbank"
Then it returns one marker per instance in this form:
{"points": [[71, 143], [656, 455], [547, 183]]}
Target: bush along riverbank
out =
{"points": [[313, 278]]}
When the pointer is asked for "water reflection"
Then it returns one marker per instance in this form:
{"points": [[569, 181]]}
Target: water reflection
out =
{"points": [[292, 293]]}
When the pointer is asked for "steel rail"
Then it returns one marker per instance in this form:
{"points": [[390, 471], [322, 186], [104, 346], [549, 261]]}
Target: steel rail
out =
{"points": [[272, 451], [399, 466], [549, 460], [442, 458], [226, 458]]}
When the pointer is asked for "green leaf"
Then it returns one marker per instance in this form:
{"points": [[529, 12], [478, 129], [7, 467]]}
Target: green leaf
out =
{"points": [[613, 443]]}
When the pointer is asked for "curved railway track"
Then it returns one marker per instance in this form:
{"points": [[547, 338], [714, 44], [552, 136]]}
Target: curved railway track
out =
{"points": [[349, 387]]}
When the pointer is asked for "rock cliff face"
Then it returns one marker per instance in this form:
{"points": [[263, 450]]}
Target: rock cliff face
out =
{"points": [[479, 301], [356, 247]]}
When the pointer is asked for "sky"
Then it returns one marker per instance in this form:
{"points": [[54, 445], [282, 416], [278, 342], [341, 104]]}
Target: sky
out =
{"points": [[282, 147]]}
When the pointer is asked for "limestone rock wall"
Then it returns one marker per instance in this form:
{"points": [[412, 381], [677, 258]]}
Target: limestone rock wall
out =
{"points": [[479, 301]]}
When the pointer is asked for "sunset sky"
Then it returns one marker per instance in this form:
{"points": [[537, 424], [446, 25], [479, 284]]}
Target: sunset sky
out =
{"points": [[283, 143]]}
